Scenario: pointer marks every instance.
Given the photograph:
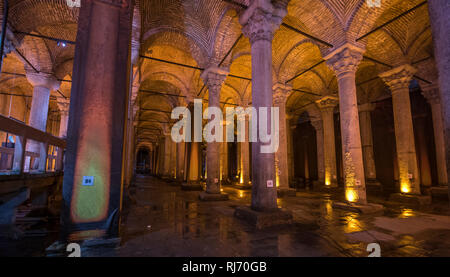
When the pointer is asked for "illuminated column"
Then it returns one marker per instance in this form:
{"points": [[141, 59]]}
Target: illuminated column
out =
{"points": [[167, 154], [42, 84], [318, 126], [326, 106], [431, 93], [344, 61], [194, 162], [244, 154], [259, 21], [440, 24], [93, 171], [281, 93], [173, 159], [367, 142], [213, 78], [290, 141], [398, 80], [180, 160], [224, 154], [63, 106]]}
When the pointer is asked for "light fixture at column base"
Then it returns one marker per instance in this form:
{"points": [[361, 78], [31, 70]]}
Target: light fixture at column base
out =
{"points": [[263, 219], [204, 196], [411, 199], [368, 208]]}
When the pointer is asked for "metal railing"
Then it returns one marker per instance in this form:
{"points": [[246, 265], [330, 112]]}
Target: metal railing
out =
{"points": [[32, 151]]}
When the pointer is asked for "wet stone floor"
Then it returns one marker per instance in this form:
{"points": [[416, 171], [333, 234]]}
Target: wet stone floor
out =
{"points": [[163, 220]]}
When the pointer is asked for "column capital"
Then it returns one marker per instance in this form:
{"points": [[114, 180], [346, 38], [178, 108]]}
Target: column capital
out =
{"points": [[213, 77], [345, 59], [317, 124], [280, 93], [63, 106], [366, 107], [399, 77], [327, 102], [261, 19], [431, 93], [43, 80]]}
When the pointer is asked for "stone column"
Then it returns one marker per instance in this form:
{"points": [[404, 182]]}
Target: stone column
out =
{"points": [[326, 106], [398, 80], [224, 154], [173, 159], [92, 187], [213, 78], [290, 142], [244, 155], [431, 93], [281, 93], [167, 154], [194, 162], [259, 22], [180, 160], [344, 62], [318, 126], [367, 143], [63, 105], [42, 84], [440, 24]]}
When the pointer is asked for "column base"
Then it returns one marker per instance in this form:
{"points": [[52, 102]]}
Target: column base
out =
{"points": [[191, 186], [204, 196], [285, 192], [439, 193], [261, 219], [368, 208], [411, 199]]}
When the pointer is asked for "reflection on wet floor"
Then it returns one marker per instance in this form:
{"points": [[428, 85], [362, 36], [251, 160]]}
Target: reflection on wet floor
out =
{"points": [[166, 221]]}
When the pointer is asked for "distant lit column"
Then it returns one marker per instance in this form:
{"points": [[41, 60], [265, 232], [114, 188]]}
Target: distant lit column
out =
{"points": [[281, 93], [224, 154], [318, 126], [344, 61], [92, 185], [367, 142], [260, 20], [398, 80], [63, 106], [326, 106], [167, 154], [431, 93], [244, 154], [290, 141]]}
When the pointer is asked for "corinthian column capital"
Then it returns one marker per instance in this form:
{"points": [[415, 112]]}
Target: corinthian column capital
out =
{"points": [[345, 59], [399, 77], [213, 77], [44, 80], [327, 102], [280, 93], [431, 93], [261, 19]]}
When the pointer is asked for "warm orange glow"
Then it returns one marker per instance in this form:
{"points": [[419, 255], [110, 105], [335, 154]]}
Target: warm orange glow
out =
{"points": [[351, 195], [405, 187]]}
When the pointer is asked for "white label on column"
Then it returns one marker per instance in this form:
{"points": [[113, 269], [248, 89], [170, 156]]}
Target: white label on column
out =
{"points": [[88, 180], [269, 183], [216, 180]]}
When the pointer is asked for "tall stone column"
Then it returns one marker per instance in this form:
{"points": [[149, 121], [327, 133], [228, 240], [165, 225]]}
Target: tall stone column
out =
{"points": [[213, 78], [367, 143], [344, 62], [431, 93], [290, 142], [63, 106], [173, 159], [281, 93], [224, 154], [194, 162], [326, 106], [259, 22], [398, 80], [180, 160], [440, 24], [318, 126], [167, 154], [92, 185], [42, 84]]}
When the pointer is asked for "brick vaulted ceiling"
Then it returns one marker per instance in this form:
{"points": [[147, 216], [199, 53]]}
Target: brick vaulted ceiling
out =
{"points": [[201, 32]]}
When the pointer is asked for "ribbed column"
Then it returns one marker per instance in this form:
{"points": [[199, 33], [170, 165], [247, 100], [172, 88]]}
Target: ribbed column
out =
{"points": [[326, 106], [431, 93], [344, 61], [398, 80], [259, 21]]}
